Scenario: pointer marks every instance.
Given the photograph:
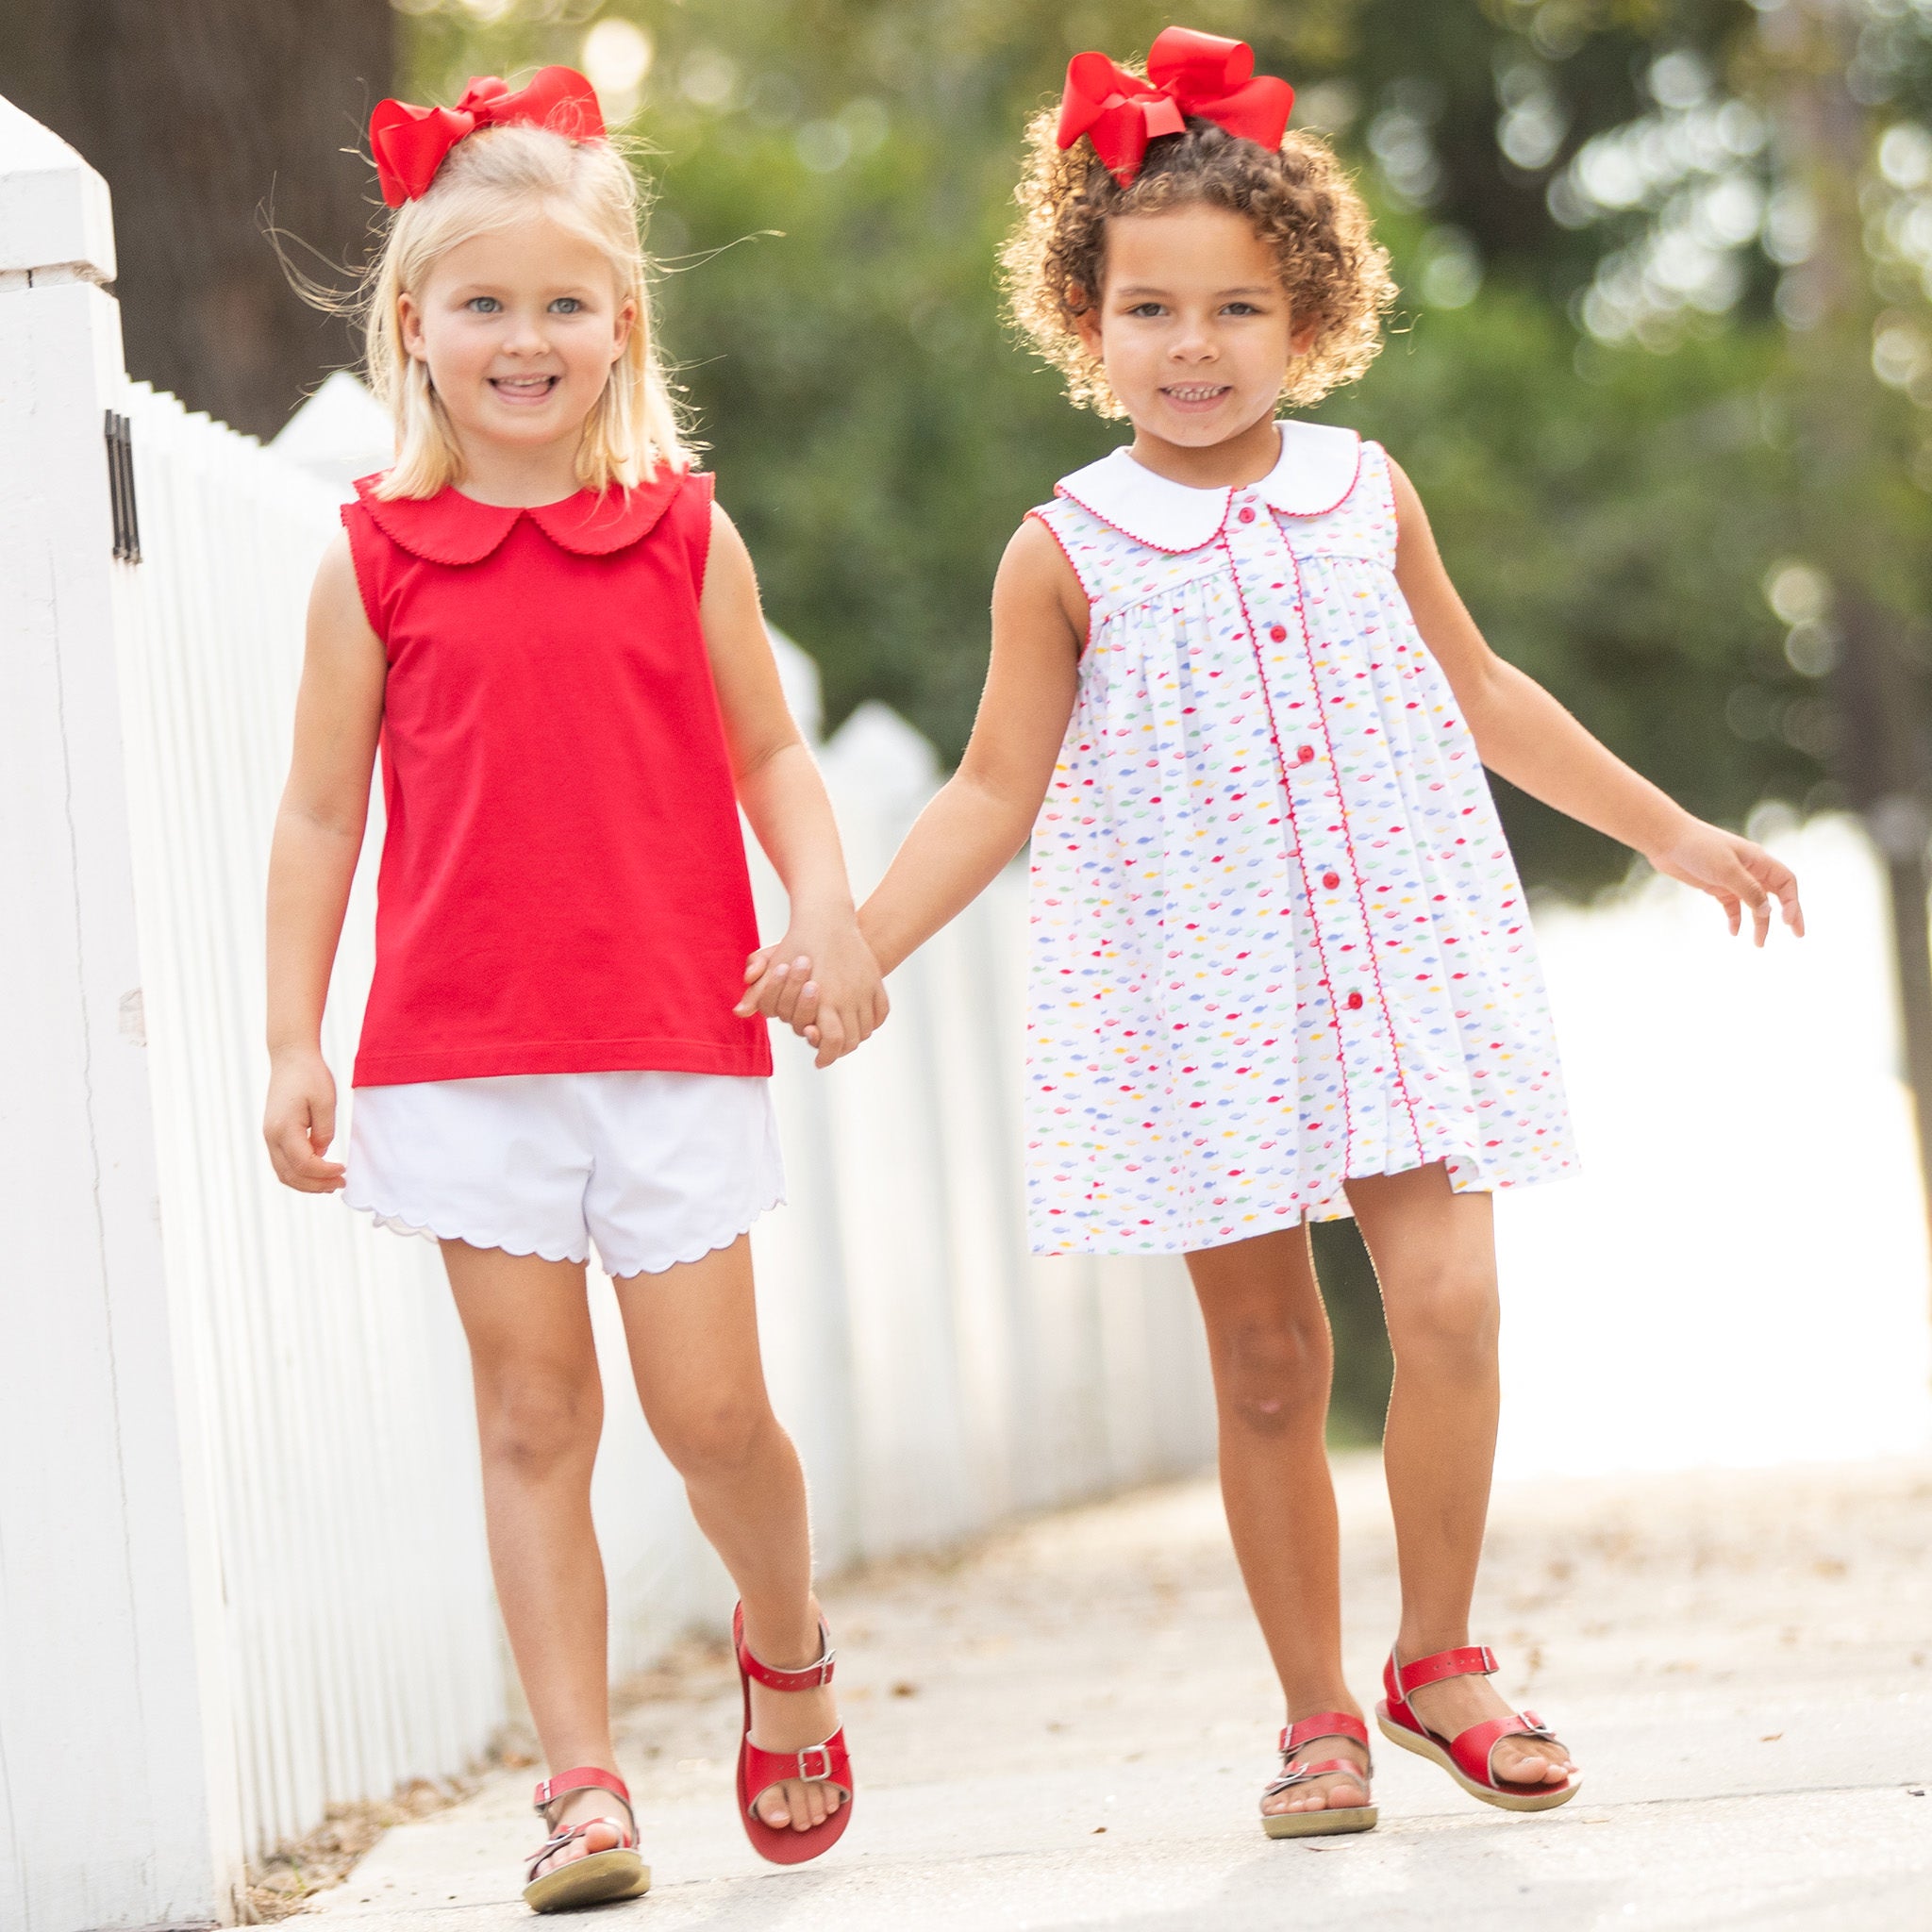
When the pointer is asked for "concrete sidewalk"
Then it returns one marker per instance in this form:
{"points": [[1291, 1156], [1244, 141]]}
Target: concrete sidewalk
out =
{"points": [[1069, 1728]]}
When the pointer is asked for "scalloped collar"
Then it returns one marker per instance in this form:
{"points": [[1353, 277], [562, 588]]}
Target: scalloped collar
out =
{"points": [[1314, 475], [450, 527]]}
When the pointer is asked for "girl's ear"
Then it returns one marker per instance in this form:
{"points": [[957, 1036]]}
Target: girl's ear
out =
{"points": [[1302, 340], [1087, 324], [627, 320], [409, 325]]}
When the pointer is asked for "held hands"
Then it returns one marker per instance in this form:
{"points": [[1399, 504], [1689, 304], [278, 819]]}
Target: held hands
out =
{"points": [[300, 1122], [821, 980], [1735, 872]]}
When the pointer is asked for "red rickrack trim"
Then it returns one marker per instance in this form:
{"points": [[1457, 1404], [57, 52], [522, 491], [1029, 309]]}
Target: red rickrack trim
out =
{"points": [[1300, 850], [1301, 612], [1353, 480], [1040, 519], [1148, 543]]}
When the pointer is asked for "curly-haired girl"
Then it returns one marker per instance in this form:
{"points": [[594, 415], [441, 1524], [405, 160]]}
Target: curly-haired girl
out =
{"points": [[1281, 966]]}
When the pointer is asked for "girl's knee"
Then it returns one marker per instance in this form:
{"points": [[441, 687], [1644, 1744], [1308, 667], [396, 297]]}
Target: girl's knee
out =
{"points": [[713, 1437], [1273, 1372], [1448, 1312], [539, 1425]]}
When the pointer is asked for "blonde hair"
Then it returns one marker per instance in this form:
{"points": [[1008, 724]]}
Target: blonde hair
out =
{"points": [[586, 187], [1298, 198]]}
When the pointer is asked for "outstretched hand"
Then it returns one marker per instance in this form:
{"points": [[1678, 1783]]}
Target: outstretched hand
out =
{"points": [[821, 981], [1735, 873]]}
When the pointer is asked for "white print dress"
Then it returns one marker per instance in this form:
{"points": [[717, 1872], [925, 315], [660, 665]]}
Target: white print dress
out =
{"points": [[1277, 937]]}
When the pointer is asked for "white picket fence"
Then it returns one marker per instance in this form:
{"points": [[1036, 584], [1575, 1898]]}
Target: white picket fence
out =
{"points": [[360, 1639], [299, 1398]]}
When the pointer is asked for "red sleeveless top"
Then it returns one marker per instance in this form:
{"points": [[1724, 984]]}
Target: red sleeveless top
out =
{"points": [[563, 885]]}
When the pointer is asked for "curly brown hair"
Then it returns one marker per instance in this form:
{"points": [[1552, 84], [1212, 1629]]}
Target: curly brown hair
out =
{"points": [[1299, 197]]}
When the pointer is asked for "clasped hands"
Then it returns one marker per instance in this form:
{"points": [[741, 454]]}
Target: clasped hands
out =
{"points": [[821, 981]]}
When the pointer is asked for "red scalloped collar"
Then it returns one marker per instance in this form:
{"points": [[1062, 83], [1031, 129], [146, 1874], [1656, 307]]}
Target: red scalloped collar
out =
{"points": [[450, 527]]}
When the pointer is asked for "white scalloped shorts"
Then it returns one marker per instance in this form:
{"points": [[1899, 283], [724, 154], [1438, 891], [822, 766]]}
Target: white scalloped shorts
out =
{"points": [[654, 1168]]}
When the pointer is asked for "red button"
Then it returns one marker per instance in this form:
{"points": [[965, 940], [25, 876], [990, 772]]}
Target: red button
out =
{"points": [[1331, 879], [1306, 755], [1247, 516], [1353, 1003], [1278, 632]]}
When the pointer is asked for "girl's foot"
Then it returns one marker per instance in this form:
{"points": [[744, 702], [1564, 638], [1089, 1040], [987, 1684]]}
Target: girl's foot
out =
{"points": [[604, 1817], [1457, 1704], [1441, 1707], [788, 1721], [590, 1855], [1323, 1786], [794, 1778]]}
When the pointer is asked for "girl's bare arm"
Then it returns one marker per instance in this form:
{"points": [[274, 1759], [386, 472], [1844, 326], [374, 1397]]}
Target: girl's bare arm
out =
{"points": [[1526, 735], [843, 999], [985, 812], [311, 864]]}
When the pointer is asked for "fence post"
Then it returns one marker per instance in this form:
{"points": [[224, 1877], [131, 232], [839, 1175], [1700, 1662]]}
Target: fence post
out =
{"points": [[117, 1790]]}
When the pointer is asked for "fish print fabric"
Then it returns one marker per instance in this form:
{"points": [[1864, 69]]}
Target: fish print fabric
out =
{"points": [[1277, 937]]}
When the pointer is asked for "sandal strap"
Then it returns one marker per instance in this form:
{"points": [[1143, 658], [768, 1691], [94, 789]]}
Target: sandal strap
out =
{"points": [[1324, 1724], [1306, 1731], [1475, 1749], [1473, 1660], [810, 1678], [817, 1764], [585, 1777], [1293, 1775]]}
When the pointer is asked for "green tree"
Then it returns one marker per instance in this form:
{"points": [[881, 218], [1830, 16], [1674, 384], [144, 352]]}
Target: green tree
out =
{"points": [[209, 119]]}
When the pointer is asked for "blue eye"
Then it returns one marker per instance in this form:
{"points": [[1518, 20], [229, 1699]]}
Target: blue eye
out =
{"points": [[483, 304], [567, 304]]}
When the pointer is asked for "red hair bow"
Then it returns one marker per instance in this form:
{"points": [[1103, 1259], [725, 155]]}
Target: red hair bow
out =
{"points": [[1188, 74], [410, 143]]}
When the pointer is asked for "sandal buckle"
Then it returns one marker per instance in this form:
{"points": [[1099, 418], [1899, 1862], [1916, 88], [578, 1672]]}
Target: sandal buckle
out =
{"points": [[820, 1776]]}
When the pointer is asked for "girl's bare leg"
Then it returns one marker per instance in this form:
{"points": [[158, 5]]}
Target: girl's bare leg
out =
{"points": [[1269, 1344], [1435, 1256], [694, 1338], [539, 1410]]}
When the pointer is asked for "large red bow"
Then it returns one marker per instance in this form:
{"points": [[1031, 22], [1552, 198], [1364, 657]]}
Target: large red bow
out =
{"points": [[410, 143], [1188, 74]]}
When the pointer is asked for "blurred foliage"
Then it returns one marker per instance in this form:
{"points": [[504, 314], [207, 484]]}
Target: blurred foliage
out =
{"points": [[1364, 1364], [1607, 516]]}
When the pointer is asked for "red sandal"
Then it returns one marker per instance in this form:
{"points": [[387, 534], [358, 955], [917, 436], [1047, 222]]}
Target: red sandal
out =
{"points": [[597, 1877], [1298, 1736], [759, 1770], [1466, 1757]]}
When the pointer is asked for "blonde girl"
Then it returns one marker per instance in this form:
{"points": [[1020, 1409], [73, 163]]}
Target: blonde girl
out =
{"points": [[553, 634], [1281, 966]]}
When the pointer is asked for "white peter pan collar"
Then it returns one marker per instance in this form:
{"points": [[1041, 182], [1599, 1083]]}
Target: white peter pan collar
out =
{"points": [[1316, 472]]}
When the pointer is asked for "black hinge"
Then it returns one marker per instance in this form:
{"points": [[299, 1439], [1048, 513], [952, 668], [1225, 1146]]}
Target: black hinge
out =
{"points": [[120, 487]]}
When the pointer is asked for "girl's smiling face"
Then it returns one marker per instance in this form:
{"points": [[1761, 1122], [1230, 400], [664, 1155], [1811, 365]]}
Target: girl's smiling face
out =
{"points": [[519, 327], [1192, 325]]}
